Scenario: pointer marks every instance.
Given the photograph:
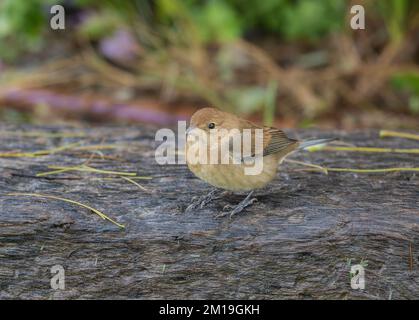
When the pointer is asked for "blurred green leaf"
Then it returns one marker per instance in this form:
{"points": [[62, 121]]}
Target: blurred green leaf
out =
{"points": [[10, 115], [414, 104], [270, 103], [293, 19], [408, 82], [171, 9], [100, 25], [247, 100], [217, 21], [251, 99], [395, 14], [306, 123], [21, 24]]}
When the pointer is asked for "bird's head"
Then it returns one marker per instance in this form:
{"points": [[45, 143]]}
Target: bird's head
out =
{"points": [[208, 119]]}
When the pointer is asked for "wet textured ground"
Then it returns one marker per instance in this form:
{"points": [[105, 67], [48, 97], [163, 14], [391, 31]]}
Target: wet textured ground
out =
{"points": [[297, 241]]}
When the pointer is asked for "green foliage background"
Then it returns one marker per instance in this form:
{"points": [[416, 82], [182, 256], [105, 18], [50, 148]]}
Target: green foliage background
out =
{"points": [[23, 25]]}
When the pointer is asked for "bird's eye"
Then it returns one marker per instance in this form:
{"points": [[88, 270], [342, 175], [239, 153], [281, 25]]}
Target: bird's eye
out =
{"points": [[211, 125]]}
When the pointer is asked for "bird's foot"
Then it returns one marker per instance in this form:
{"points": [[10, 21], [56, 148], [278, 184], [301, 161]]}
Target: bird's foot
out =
{"points": [[246, 202], [201, 202]]}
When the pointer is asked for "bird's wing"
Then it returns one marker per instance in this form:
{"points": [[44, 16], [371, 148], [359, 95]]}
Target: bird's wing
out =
{"points": [[275, 140]]}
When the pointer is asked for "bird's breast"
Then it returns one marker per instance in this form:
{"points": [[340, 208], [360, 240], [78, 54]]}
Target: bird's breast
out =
{"points": [[233, 177]]}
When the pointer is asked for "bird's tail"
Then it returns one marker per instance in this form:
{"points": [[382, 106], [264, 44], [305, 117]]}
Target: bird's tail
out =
{"points": [[314, 142]]}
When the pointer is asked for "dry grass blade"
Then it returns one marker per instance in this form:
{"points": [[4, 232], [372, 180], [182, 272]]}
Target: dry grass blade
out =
{"points": [[387, 133], [363, 149], [83, 168], [70, 146], [58, 149], [308, 165], [98, 147], [39, 134], [100, 214], [39, 153], [142, 178], [135, 183], [367, 170], [43, 174]]}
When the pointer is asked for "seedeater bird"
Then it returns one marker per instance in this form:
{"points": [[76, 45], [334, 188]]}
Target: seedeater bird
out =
{"points": [[232, 177]]}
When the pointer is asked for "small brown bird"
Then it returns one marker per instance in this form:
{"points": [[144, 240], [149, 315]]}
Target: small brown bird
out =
{"points": [[232, 177]]}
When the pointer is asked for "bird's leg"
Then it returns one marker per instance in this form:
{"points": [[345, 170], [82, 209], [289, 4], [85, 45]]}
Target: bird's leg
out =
{"points": [[201, 202], [248, 201]]}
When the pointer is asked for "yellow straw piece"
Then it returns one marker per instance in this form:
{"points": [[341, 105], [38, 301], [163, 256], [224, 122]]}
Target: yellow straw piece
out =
{"points": [[135, 183], [39, 153], [318, 147], [307, 165], [364, 149], [83, 168], [100, 214], [36, 134], [74, 146], [387, 133], [366, 170], [99, 147], [42, 174], [142, 178], [58, 149]]}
